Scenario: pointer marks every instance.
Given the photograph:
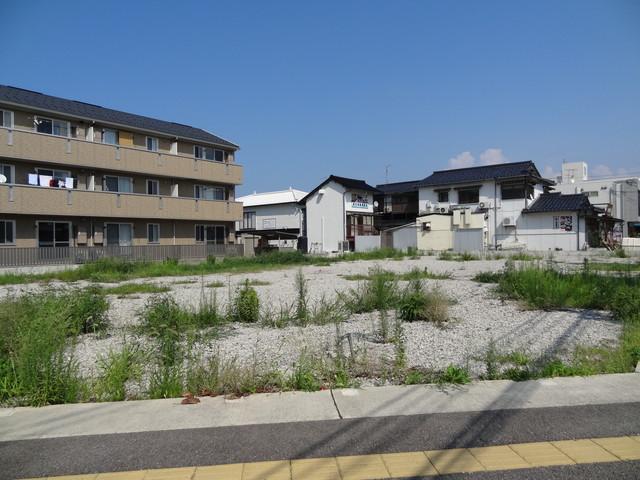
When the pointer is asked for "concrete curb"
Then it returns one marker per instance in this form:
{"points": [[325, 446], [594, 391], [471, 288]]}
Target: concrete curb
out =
{"points": [[168, 414]]}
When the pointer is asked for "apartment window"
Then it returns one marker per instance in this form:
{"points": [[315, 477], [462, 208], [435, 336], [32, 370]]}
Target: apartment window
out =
{"points": [[57, 178], [205, 192], [214, 234], [153, 187], [153, 232], [117, 184], [52, 126], [512, 192], [388, 204], [205, 153], [6, 119], [469, 195], [152, 144], [119, 234], [8, 172], [592, 194], [54, 234], [219, 155], [249, 220], [109, 136], [443, 196], [7, 232]]}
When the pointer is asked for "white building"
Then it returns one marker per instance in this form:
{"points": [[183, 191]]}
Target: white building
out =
{"points": [[275, 217], [619, 196], [501, 191], [336, 211]]}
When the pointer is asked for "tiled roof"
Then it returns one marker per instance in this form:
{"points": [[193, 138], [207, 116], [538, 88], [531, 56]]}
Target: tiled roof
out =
{"points": [[351, 183], [87, 111], [477, 174], [557, 202], [399, 187], [271, 198]]}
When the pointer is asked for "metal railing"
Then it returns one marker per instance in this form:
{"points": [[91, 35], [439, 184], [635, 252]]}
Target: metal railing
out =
{"points": [[20, 257]]}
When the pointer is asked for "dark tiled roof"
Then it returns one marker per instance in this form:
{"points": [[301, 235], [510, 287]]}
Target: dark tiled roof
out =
{"points": [[87, 111], [399, 187], [557, 202], [485, 172], [351, 183]]}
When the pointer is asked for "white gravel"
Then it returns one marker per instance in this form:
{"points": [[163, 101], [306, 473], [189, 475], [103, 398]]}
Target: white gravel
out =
{"points": [[478, 318]]}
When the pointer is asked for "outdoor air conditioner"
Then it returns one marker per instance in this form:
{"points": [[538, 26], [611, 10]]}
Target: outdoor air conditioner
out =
{"points": [[443, 210], [426, 226], [508, 222], [481, 205]]}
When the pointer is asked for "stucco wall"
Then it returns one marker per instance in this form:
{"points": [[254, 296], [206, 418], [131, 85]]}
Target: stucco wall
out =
{"points": [[325, 218], [536, 230], [284, 215]]}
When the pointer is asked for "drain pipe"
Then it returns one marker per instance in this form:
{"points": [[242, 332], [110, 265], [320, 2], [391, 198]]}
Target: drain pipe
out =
{"points": [[495, 214]]}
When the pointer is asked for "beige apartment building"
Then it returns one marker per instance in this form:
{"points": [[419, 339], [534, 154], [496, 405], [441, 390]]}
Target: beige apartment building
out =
{"points": [[74, 174]]}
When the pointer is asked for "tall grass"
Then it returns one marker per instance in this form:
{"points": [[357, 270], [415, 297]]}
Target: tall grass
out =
{"points": [[37, 333]]}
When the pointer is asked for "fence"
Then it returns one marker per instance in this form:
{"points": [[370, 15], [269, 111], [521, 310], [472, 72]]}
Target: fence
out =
{"points": [[19, 257]]}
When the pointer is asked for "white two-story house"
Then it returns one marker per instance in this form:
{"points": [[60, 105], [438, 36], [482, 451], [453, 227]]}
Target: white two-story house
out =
{"points": [[501, 191], [336, 211]]}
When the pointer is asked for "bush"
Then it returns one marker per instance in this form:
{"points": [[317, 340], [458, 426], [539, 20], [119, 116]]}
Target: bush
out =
{"points": [[417, 304], [455, 375], [246, 304], [625, 304]]}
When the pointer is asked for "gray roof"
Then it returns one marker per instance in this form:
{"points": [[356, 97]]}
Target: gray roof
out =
{"points": [[352, 183], [87, 111], [557, 202], [399, 187], [478, 174]]}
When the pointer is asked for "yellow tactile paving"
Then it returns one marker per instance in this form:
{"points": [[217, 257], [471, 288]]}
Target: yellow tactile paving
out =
{"points": [[315, 469], [232, 471], [584, 451], [362, 467], [170, 474], [541, 454], [498, 458], [274, 470], [411, 464], [454, 460], [399, 465], [625, 448]]}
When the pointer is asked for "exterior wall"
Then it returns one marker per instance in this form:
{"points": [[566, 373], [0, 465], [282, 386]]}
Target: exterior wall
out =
{"points": [[326, 218], [537, 232], [439, 237], [405, 237], [171, 232], [282, 215]]}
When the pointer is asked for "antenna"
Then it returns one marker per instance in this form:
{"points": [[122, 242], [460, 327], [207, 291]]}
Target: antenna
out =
{"points": [[386, 173]]}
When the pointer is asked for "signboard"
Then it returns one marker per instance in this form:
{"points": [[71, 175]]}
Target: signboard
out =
{"points": [[563, 222], [268, 223], [359, 202]]}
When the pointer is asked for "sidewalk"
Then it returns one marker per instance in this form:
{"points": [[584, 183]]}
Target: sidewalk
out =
{"points": [[158, 415]]}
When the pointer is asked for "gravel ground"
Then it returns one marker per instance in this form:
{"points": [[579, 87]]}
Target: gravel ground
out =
{"points": [[477, 319]]}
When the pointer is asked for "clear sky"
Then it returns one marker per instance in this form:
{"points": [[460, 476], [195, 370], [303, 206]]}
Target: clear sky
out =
{"points": [[351, 88]]}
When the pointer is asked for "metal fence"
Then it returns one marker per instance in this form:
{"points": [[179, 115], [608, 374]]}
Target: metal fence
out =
{"points": [[19, 257]]}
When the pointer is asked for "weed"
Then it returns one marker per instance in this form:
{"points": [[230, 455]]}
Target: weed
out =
{"points": [[455, 375], [215, 284], [116, 369], [302, 294], [246, 304], [417, 304], [619, 252], [133, 288]]}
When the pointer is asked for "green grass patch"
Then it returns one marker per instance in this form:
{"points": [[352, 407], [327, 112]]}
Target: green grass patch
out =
{"points": [[615, 267], [457, 257], [216, 284], [413, 274], [116, 270]]}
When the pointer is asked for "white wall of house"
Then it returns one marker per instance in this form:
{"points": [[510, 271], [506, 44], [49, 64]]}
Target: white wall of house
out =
{"points": [[276, 217], [325, 218], [539, 231], [405, 237], [497, 209]]}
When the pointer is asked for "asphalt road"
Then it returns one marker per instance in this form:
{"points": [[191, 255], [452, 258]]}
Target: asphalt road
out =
{"points": [[210, 446]]}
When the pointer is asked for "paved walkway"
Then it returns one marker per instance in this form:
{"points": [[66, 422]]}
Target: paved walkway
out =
{"points": [[154, 415]]}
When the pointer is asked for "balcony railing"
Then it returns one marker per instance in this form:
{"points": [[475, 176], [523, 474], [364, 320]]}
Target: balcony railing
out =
{"points": [[31, 200], [73, 152]]}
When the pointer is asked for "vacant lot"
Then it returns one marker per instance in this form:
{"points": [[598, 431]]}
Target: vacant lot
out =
{"points": [[401, 320]]}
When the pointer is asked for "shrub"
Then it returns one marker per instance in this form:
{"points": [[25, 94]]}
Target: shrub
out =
{"points": [[417, 304], [247, 304], [625, 304]]}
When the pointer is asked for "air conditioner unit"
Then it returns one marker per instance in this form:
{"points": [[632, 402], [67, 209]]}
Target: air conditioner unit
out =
{"points": [[426, 226], [481, 205], [443, 210], [508, 222]]}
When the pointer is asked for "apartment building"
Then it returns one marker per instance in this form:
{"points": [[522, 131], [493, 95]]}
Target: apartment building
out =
{"points": [[76, 174]]}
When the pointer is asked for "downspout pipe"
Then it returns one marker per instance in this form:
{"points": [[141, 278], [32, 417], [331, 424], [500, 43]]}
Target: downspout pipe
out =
{"points": [[495, 214]]}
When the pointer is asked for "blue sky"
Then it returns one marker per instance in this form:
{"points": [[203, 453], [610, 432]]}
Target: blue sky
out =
{"points": [[352, 87]]}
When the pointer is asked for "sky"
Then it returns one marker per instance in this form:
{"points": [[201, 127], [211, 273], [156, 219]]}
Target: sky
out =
{"points": [[375, 90]]}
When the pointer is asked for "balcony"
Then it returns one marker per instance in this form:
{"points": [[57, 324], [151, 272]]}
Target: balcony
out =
{"points": [[31, 200], [49, 149]]}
